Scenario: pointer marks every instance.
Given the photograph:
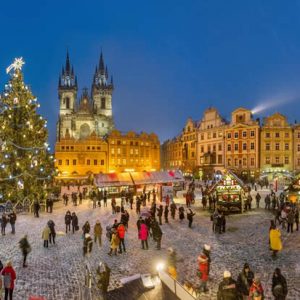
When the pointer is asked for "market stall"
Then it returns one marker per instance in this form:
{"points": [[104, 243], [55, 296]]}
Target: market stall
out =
{"points": [[293, 191], [229, 192]]}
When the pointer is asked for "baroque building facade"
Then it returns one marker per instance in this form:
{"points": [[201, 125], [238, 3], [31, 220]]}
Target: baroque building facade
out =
{"points": [[87, 142]]}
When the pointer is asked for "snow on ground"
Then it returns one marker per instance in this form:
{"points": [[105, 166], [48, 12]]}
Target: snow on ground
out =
{"points": [[57, 272]]}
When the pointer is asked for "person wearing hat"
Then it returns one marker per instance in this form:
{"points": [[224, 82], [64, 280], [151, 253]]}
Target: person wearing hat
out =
{"points": [[9, 277], [227, 288], [203, 272], [256, 291], [279, 285], [206, 251], [244, 281], [87, 244]]}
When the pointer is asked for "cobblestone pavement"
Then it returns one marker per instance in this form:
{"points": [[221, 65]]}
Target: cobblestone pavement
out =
{"points": [[57, 272]]}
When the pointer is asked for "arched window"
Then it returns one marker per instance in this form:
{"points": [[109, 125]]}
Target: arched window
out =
{"points": [[67, 102]]}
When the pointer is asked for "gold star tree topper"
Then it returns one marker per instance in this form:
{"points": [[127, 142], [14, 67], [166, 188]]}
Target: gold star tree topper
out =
{"points": [[16, 65]]}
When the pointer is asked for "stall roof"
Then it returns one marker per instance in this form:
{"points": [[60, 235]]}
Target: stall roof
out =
{"points": [[113, 179], [142, 178]]}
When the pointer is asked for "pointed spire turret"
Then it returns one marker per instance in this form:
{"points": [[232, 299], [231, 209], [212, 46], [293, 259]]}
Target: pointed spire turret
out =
{"points": [[68, 66], [101, 64], [67, 78], [106, 72]]}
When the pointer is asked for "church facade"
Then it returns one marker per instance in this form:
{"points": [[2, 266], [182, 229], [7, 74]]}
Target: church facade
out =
{"points": [[87, 142]]}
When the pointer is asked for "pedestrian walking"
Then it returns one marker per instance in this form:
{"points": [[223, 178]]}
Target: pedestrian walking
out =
{"points": [[98, 233], [181, 213], [36, 208], [4, 221], [257, 198], [114, 242], [190, 217], [45, 235], [290, 221], [74, 221], [12, 220], [157, 234], [86, 228], [68, 220], [275, 241], [203, 272], [279, 285], [143, 235], [244, 281], [52, 235], [166, 214], [297, 219], [25, 249], [227, 288], [9, 277], [173, 209], [121, 233], [87, 244], [159, 213]]}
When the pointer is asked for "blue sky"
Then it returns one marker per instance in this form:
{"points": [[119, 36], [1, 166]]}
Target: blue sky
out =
{"points": [[170, 59]]}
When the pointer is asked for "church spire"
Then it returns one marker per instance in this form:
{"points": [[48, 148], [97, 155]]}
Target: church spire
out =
{"points": [[68, 65], [68, 78], [101, 64]]}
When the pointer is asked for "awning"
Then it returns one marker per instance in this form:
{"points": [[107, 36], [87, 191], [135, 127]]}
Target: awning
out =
{"points": [[113, 180], [142, 178]]}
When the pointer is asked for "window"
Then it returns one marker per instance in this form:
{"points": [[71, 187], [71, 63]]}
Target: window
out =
{"points": [[252, 133], [88, 162], [214, 148], [236, 147], [88, 148], [277, 134], [267, 160], [136, 143], [244, 161], [298, 147], [112, 150], [268, 147], [118, 142], [244, 146], [236, 162], [124, 161], [102, 162], [119, 151], [202, 149], [214, 135], [74, 162], [252, 146], [98, 148], [193, 154], [95, 162], [277, 147], [298, 161], [67, 162], [286, 146], [277, 160], [131, 151], [208, 135], [59, 162], [228, 147], [229, 162], [67, 147], [72, 147], [220, 147], [229, 135], [252, 161], [93, 148], [62, 147], [286, 160], [286, 135], [67, 102], [244, 133], [131, 143], [268, 135], [103, 104], [236, 135], [298, 134], [136, 151], [220, 134], [202, 136], [208, 148], [219, 159]]}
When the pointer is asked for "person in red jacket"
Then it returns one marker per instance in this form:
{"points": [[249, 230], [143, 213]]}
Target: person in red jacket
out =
{"points": [[256, 290], [203, 272], [9, 277], [121, 233]]}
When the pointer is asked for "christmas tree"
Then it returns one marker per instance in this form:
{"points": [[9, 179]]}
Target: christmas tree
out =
{"points": [[26, 165]]}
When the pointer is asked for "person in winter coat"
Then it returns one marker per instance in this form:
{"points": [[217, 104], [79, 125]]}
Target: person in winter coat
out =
{"points": [[214, 218], [173, 209], [12, 220], [74, 222], [68, 219], [4, 221], [257, 197], [166, 214], [87, 244], [25, 248], [159, 213], [114, 242], [297, 218], [9, 277], [171, 263], [181, 213], [36, 208], [206, 251], [279, 285], [244, 281], [227, 288], [86, 228], [290, 221], [143, 235], [52, 235], [275, 241], [256, 291], [121, 233], [190, 216], [98, 233], [203, 272], [157, 233], [45, 236]]}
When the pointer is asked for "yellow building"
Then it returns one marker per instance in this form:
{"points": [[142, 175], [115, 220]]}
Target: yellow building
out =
{"points": [[242, 144], [296, 147], [133, 152], [276, 145], [77, 158], [172, 154]]}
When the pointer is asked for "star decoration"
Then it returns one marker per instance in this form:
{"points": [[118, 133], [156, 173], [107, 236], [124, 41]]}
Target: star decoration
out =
{"points": [[16, 65]]}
